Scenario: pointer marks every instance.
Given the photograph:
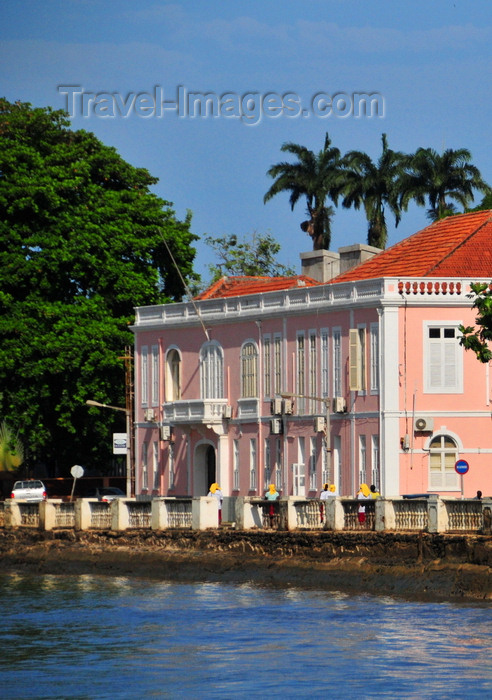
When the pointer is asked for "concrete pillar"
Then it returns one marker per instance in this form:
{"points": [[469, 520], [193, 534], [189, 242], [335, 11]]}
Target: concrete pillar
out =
{"points": [[334, 516], [248, 514], [437, 514], [120, 514], [83, 515], [291, 523], [204, 513], [160, 520], [487, 516], [12, 514], [47, 515], [384, 515]]}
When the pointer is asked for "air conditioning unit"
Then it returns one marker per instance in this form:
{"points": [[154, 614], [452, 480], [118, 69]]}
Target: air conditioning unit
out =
{"points": [[276, 426], [276, 407], [339, 404], [288, 407], [227, 412], [319, 424], [424, 425], [165, 432], [149, 414]]}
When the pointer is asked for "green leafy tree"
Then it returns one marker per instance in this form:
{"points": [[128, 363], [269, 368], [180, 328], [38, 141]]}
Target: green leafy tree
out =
{"points": [[442, 180], [478, 338], [253, 256], [82, 241], [373, 185], [314, 177]]}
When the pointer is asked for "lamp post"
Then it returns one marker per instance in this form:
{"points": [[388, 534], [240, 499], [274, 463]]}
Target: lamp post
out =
{"points": [[327, 402], [129, 449]]}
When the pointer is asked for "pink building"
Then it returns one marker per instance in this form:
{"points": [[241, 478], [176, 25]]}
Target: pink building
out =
{"points": [[350, 373]]}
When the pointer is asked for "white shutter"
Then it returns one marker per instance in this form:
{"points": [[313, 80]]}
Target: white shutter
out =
{"points": [[354, 360]]}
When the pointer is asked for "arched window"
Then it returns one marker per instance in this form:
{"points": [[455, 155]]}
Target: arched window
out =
{"points": [[173, 376], [249, 371], [212, 371], [443, 454]]}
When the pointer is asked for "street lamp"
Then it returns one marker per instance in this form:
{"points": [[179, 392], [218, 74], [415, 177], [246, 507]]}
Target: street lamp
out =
{"points": [[327, 402], [127, 411]]}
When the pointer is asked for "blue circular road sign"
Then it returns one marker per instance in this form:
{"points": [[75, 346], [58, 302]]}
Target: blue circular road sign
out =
{"points": [[461, 466]]}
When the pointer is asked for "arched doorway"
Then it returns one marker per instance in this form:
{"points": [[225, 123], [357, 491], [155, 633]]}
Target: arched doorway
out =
{"points": [[204, 470]]}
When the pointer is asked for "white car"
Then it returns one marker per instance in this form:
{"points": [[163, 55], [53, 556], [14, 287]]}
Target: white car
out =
{"points": [[32, 490]]}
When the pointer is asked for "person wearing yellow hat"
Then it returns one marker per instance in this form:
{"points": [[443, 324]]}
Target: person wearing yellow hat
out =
{"points": [[329, 491], [217, 493], [272, 495], [363, 494]]}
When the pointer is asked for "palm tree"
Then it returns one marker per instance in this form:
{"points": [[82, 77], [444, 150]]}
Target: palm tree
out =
{"points": [[373, 186], [11, 449], [313, 176], [441, 178]]}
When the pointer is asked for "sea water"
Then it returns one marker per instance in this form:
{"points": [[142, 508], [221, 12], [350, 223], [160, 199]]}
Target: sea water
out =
{"points": [[99, 637]]}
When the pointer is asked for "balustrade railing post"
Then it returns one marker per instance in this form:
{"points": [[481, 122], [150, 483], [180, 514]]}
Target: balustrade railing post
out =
{"points": [[384, 515]]}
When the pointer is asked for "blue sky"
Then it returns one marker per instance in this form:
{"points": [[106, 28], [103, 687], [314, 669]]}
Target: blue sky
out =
{"points": [[430, 63]]}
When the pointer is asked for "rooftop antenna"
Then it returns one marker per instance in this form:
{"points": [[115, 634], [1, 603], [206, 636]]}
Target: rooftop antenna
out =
{"points": [[205, 330]]}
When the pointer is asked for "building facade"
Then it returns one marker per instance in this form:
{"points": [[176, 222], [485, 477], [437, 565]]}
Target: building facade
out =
{"points": [[355, 376]]}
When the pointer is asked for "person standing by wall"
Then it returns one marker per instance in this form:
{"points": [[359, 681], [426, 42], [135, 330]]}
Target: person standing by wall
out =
{"points": [[272, 495], [217, 493], [363, 494]]}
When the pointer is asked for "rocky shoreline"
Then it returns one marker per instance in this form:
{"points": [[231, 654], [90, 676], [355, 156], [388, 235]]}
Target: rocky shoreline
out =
{"points": [[415, 566]]}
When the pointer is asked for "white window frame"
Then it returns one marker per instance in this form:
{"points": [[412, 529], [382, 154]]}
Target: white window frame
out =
{"points": [[172, 466], [249, 370], [443, 359], [357, 359], [252, 464], [313, 458], [313, 370], [445, 456], [374, 340], [278, 463], [212, 370], [144, 375], [337, 361], [277, 364], [362, 459], [375, 464], [155, 466], [325, 365], [145, 473], [173, 374], [235, 462], [267, 475], [267, 366], [301, 370], [154, 387]]}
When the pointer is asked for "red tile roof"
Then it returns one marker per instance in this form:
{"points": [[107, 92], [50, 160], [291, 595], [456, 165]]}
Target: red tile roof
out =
{"points": [[239, 286], [457, 246]]}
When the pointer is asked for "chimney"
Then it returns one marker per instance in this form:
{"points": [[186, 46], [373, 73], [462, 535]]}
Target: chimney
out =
{"points": [[324, 265]]}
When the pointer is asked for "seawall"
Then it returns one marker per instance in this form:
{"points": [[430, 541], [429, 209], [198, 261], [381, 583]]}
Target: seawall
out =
{"points": [[418, 566]]}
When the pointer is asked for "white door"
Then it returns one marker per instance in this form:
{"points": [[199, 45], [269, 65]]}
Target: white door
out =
{"points": [[299, 480]]}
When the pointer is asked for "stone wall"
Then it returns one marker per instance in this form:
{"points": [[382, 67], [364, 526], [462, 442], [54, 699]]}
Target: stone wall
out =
{"points": [[412, 565]]}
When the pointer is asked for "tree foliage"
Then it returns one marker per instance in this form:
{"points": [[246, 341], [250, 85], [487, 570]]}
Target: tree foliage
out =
{"points": [[11, 449], [314, 176], [373, 185], [82, 241], [252, 255], [442, 180], [478, 338]]}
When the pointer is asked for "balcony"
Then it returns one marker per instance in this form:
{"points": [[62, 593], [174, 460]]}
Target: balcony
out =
{"points": [[197, 411]]}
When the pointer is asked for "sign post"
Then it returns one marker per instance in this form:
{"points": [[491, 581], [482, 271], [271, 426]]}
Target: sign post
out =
{"points": [[461, 467], [77, 472]]}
